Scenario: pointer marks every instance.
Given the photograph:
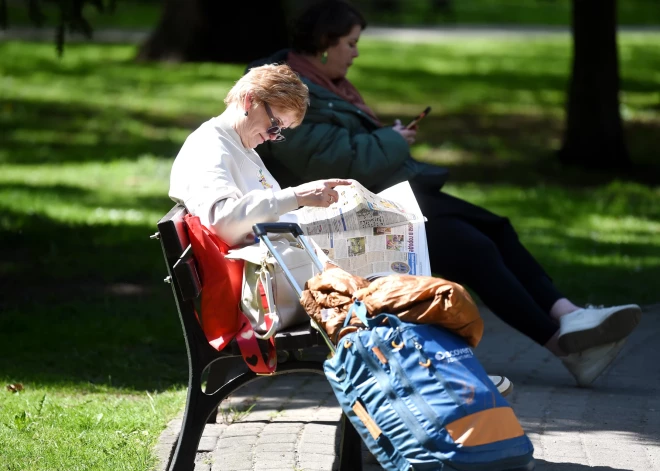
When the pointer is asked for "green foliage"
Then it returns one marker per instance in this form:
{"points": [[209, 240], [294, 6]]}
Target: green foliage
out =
{"points": [[112, 14], [88, 327], [133, 14], [504, 12], [70, 16]]}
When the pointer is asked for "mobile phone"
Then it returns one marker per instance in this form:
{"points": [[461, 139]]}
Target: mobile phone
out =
{"points": [[422, 115]]}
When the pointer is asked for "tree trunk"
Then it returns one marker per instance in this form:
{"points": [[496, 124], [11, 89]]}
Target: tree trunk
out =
{"points": [[594, 133], [217, 31]]}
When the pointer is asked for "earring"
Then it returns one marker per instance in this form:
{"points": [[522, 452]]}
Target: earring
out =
{"points": [[324, 57], [246, 113]]}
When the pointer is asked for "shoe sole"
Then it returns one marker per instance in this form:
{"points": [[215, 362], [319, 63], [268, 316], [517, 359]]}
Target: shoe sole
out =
{"points": [[507, 391], [588, 381], [616, 327]]}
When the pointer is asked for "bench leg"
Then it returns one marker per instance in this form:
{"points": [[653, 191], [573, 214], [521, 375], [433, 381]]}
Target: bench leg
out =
{"points": [[199, 407], [350, 447], [220, 372], [194, 420]]}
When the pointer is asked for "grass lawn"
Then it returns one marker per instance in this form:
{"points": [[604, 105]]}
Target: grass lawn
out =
{"points": [[86, 324]]}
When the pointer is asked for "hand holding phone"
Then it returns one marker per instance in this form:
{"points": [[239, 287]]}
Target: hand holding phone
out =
{"points": [[421, 116]]}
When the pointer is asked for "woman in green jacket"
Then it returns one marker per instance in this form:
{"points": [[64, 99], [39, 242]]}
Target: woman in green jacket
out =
{"points": [[342, 137]]}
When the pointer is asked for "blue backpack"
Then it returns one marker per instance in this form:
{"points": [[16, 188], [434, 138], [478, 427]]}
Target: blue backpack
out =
{"points": [[420, 399]]}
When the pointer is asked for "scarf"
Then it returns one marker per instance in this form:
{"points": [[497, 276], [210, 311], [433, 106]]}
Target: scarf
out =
{"points": [[341, 87]]}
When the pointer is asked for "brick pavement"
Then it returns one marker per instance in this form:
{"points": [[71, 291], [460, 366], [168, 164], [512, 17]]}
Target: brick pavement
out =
{"points": [[614, 426]]}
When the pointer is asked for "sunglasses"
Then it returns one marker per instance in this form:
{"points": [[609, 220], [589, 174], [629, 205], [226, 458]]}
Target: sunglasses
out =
{"points": [[275, 130]]}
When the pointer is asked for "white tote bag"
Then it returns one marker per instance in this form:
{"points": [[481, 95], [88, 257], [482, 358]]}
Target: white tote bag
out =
{"points": [[283, 302]]}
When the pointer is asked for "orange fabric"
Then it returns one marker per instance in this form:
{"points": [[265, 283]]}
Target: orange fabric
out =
{"points": [[417, 299], [366, 419], [332, 291], [222, 280], [425, 300], [488, 426]]}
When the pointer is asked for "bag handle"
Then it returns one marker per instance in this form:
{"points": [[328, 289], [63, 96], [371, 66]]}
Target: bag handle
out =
{"points": [[261, 230], [360, 310], [246, 338], [271, 317], [221, 284]]}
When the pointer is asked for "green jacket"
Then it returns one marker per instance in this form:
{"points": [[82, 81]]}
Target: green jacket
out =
{"points": [[337, 140]]}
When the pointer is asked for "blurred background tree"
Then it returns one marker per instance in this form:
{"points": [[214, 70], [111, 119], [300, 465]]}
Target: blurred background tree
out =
{"points": [[213, 31], [593, 136]]}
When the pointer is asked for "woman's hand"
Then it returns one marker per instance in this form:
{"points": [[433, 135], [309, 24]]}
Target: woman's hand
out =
{"points": [[320, 193], [408, 134]]}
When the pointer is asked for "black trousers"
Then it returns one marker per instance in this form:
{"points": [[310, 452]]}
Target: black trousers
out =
{"points": [[478, 249]]}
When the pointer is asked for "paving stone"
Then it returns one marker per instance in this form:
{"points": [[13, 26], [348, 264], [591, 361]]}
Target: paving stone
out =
{"points": [[280, 428], [316, 463], [232, 462], [243, 429], [207, 444], [318, 448], [235, 443], [214, 430], [269, 436], [274, 448], [203, 461]]}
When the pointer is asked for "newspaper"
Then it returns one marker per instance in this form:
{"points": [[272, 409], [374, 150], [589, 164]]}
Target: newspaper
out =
{"points": [[371, 235]]}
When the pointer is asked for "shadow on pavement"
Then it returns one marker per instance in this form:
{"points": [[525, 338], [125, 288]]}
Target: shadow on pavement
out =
{"points": [[542, 465]]}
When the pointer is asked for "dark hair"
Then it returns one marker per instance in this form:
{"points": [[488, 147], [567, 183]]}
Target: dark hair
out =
{"points": [[321, 25]]}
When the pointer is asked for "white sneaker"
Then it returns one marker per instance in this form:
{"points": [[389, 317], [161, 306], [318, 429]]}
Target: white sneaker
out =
{"points": [[503, 385], [591, 327], [588, 365]]}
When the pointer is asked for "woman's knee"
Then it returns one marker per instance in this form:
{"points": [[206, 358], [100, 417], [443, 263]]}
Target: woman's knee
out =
{"points": [[461, 248]]}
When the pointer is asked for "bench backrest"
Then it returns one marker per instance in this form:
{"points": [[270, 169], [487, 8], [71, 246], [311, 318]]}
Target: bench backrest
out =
{"points": [[178, 252], [186, 285]]}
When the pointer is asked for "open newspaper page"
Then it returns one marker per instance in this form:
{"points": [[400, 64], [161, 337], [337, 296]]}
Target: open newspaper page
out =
{"points": [[369, 234]]}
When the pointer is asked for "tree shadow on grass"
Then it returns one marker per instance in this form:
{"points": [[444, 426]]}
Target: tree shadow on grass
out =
{"points": [[476, 147], [107, 60], [47, 132], [87, 306], [585, 269], [132, 342], [85, 301], [487, 74], [44, 251], [519, 150]]}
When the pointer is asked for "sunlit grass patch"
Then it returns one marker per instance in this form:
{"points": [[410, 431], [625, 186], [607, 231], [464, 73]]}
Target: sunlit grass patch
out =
{"points": [[600, 245], [62, 429]]}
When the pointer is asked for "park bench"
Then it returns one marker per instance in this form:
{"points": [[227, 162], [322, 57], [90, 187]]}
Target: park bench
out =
{"points": [[226, 370]]}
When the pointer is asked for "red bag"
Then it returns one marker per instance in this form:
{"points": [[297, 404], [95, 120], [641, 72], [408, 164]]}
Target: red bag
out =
{"points": [[222, 281]]}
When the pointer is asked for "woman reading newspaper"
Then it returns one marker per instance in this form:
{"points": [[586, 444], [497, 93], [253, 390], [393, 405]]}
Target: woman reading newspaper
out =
{"points": [[219, 177], [342, 136]]}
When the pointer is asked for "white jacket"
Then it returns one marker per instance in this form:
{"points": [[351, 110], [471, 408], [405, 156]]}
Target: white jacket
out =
{"points": [[225, 184]]}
